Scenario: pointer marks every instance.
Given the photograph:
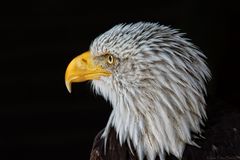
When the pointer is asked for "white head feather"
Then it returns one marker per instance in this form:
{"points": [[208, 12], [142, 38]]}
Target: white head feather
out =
{"points": [[156, 88]]}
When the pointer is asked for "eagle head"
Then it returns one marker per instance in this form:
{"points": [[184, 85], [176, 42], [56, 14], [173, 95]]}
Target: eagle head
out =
{"points": [[155, 80]]}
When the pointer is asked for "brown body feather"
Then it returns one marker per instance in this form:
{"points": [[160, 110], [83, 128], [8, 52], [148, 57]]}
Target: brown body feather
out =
{"points": [[114, 151], [221, 142]]}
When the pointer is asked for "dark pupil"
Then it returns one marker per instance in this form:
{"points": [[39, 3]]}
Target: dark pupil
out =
{"points": [[110, 58]]}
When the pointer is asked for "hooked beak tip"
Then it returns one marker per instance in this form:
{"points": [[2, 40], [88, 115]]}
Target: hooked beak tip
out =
{"points": [[68, 85]]}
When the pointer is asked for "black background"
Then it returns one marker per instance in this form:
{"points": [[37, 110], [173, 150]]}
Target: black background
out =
{"points": [[39, 119]]}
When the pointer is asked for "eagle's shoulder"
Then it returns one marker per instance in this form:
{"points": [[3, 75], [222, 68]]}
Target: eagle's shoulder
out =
{"points": [[113, 148], [97, 148], [221, 135]]}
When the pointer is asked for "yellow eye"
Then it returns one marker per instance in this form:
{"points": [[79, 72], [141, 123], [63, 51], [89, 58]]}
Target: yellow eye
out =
{"points": [[110, 59]]}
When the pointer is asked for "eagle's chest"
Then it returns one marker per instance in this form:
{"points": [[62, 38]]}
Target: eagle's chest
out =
{"points": [[114, 150]]}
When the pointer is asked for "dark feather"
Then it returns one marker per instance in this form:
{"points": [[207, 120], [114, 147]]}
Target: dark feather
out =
{"points": [[114, 151]]}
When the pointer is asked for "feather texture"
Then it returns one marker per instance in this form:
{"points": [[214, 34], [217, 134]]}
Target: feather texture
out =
{"points": [[156, 89]]}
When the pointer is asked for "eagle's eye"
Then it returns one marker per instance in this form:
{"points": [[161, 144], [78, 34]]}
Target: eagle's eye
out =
{"points": [[110, 59]]}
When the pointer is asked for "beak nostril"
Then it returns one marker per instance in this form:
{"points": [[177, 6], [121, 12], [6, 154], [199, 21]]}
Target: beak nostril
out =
{"points": [[84, 60]]}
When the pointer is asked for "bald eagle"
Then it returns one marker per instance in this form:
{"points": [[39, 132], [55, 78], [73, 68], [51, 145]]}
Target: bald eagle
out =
{"points": [[155, 80]]}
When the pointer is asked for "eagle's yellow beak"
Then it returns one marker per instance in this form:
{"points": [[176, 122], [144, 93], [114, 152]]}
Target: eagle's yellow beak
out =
{"points": [[82, 69]]}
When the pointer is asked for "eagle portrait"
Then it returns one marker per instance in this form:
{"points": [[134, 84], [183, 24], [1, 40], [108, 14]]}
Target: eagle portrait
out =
{"points": [[155, 80]]}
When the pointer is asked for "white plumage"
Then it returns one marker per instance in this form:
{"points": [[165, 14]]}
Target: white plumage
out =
{"points": [[156, 88]]}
